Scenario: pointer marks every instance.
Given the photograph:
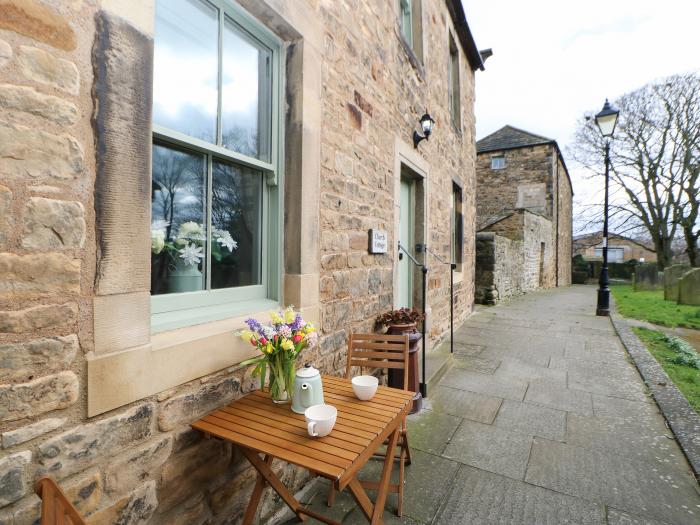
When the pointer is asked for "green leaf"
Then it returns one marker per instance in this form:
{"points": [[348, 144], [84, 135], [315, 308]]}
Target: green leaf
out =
{"points": [[263, 374]]}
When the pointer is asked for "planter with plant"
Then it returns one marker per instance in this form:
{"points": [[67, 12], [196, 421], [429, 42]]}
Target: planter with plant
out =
{"points": [[398, 322]]}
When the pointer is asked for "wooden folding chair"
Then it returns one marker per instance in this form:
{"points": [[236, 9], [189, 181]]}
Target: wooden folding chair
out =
{"points": [[56, 509], [382, 351]]}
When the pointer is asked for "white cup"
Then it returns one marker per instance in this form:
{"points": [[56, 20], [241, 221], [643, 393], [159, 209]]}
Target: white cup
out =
{"points": [[365, 387], [320, 419]]}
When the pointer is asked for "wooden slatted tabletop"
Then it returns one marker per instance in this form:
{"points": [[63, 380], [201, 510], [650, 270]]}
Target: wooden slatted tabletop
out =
{"points": [[256, 423]]}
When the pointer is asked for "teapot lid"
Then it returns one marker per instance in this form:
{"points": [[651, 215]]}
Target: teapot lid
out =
{"points": [[307, 371]]}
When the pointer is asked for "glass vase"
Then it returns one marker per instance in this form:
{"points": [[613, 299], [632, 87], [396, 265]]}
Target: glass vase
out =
{"points": [[281, 371]]}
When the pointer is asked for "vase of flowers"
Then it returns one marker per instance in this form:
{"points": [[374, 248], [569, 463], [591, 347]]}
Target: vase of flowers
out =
{"points": [[279, 343], [186, 251]]}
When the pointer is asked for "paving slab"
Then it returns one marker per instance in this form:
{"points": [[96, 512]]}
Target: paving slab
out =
{"points": [[490, 448], [628, 410], [617, 517], [476, 364], [470, 405], [483, 498], [629, 438], [430, 431], [532, 420], [467, 349], [484, 384], [615, 480], [553, 395], [514, 370], [535, 359], [610, 384]]}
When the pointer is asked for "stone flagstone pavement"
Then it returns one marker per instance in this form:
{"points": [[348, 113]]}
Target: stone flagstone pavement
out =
{"points": [[541, 420]]}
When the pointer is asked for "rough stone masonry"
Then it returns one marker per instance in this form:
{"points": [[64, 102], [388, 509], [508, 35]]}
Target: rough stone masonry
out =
{"points": [[141, 463]]}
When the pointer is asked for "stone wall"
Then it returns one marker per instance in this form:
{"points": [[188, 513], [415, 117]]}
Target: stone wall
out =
{"points": [[514, 256], [564, 226], [141, 463], [498, 190], [499, 263], [534, 179]]}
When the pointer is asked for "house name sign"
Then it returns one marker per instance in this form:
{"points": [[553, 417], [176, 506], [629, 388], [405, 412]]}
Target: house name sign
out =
{"points": [[378, 241]]}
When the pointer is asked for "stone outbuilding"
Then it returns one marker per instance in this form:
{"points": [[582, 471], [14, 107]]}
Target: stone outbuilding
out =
{"points": [[273, 136], [524, 204]]}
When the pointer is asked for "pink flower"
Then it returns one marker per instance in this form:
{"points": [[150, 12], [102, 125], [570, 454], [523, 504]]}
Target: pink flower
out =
{"points": [[263, 341], [297, 338]]}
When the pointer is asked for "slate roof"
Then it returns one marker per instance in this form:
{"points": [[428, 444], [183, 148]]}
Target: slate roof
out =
{"points": [[509, 137]]}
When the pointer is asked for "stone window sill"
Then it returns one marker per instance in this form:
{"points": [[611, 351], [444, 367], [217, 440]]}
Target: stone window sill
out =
{"points": [[171, 359]]}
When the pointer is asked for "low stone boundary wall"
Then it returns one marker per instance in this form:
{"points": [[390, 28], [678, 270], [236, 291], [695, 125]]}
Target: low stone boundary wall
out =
{"points": [[682, 419]]}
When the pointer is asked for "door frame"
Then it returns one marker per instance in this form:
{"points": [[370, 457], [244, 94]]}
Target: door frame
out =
{"points": [[408, 156]]}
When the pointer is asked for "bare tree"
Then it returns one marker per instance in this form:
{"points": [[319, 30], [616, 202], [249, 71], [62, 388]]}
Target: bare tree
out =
{"points": [[654, 163]]}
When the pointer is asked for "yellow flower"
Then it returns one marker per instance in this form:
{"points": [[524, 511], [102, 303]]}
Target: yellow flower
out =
{"points": [[269, 348], [289, 315], [309, 328], [287, 344], [276, 319], [246, 335]]}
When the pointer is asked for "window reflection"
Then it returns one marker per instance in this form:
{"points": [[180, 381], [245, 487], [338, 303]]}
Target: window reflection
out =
{"points": [[236, 217], [245, 93], [185, 74], [178, 221]]}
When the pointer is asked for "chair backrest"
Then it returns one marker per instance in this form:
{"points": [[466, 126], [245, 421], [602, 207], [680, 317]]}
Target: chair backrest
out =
{"points": [[378, 351], [56, 509]]}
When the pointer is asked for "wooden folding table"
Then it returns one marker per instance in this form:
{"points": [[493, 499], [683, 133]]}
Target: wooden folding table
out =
{"points": [[258, 426]]}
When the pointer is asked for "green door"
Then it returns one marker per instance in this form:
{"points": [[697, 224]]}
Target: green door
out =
{"points": [[404, 296]]}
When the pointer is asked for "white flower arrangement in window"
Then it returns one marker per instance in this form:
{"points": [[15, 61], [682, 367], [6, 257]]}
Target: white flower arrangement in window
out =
{"points": [[189, 244]]}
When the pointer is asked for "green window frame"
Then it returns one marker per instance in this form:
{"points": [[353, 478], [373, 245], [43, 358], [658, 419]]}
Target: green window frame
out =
{"points": [[176, 310], [453, 94], [406, 20]]}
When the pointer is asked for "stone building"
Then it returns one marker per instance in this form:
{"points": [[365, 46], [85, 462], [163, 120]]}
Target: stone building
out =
{"points": [[620, 248], [524, 196], [284, 129]]}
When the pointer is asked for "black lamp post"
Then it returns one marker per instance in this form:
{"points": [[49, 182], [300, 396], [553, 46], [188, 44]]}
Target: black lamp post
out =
{"points": [[606, 120], [426, 124]]}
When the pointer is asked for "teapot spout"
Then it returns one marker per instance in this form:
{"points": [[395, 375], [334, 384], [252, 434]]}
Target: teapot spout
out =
{"points": [[307, 398]]}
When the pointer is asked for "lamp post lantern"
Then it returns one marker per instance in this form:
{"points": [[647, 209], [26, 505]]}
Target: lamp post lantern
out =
{"points": [[606, 120]]}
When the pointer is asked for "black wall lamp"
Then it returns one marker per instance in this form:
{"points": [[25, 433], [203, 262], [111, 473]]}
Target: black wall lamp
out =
{"points": [[426, 124]]}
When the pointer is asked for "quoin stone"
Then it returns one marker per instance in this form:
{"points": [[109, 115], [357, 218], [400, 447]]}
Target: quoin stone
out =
{"points": [[43, 67], [53, 224]]}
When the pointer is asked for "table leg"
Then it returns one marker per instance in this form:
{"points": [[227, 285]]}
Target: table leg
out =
{"points": [[255, 497], [270, 477], [385, 479], [358, 492]]}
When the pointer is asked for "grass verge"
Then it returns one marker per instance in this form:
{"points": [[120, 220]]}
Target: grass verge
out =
{"points": [[686, 378], [651, 307]]}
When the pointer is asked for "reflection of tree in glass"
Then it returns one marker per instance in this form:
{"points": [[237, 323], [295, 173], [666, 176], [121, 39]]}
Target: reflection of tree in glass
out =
{"points": [[177, 197], [177, 176], [236, 208], [242, 140]]}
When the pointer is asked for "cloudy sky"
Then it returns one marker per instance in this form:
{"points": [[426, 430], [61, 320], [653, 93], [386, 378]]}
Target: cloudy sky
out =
{"points": [[555, 60]]}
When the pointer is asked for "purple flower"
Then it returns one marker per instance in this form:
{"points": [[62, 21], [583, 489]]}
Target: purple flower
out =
{"points": [[298, 323]]}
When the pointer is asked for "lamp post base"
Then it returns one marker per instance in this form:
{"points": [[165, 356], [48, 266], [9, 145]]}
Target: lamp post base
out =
{"points": [[603, 307]]}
